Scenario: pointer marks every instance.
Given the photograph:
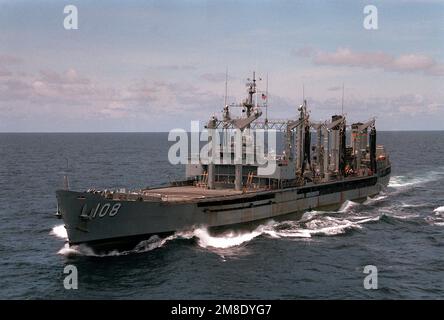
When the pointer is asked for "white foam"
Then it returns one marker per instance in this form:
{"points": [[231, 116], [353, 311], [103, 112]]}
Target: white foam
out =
{"points": [[144, 246], [330, 226], [313, 223], [378, 198], [409, 205], [361, 220], [60, 232], [403, 216], [224, 241], [436, 220], [290, 234], [286, 229], [407, 181], [310, 215], [76, 250], [152, 243], [324, 225], [439, 210], [402, 181], [347, 206]]}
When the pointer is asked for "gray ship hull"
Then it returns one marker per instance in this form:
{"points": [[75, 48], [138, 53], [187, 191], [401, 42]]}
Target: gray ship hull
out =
{"points": [[112, 223]]}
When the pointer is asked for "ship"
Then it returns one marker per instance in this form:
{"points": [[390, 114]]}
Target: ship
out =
{"points": [[321, 166]]}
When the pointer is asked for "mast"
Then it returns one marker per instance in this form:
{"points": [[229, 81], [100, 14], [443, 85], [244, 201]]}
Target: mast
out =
{"points": [[303, 92], [248, 104], [251, 92], [226, 87], [342, 103], [266, 100]]}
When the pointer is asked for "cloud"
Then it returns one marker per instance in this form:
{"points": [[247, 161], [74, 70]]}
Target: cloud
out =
{"points": [[14, 89], [215, 77], [335, 88], [5, 73], [70, 95], [305, 52], [65, 94], [173, 67], [380, 60], [417, 104], [6, 59], [68, 77], [401, 106]]}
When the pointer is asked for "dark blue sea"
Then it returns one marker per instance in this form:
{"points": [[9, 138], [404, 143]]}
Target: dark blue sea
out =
{"points": [[401, 231]]}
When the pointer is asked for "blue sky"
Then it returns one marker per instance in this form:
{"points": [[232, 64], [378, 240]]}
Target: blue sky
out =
{"points": [[157, 65]]}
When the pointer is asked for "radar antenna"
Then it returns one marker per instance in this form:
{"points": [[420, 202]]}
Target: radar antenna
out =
{"points": [[266, 101], [226, 86], [342, 103]]}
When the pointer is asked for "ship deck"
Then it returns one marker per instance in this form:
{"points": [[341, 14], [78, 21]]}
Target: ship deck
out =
{"points": [[184, 193]]}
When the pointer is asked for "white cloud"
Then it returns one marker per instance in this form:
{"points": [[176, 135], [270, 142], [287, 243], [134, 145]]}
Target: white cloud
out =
{"points": [[6, 59], [215, 77], [346, 57], [72, 95]]}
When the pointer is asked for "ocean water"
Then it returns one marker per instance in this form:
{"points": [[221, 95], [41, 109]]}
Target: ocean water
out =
{"points": [[401, 231]]}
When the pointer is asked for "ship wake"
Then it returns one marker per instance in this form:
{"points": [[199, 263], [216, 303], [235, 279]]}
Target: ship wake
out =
{"points": [[350, 217], [438, 218], [408, 181], [60, 232], [313, 223]]}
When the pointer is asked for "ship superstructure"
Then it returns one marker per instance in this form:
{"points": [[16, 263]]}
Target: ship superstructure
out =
{"points": [[302, 162]]}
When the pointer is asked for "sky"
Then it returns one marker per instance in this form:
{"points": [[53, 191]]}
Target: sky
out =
{"points": [[157, 65]]}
